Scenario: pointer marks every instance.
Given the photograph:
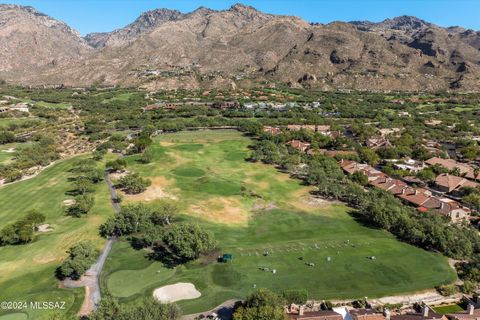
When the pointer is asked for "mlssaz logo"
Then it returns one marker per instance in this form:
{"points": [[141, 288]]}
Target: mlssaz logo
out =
{"points": [[47, 305]]}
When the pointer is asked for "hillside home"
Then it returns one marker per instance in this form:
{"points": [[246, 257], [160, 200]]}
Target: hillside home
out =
{"points": [[450, 164], [299, 145], [350, 167], [426, 314], [272, 130], [417, 197], [470, 314], [414, 196], [447, 207], [295, 312], [378, 142], [409, 165], [448, 183], [298, 127], [366, 314]]}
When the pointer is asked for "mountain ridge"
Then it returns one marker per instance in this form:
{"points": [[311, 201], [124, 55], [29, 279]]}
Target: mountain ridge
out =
{"points": [[242, 46]]}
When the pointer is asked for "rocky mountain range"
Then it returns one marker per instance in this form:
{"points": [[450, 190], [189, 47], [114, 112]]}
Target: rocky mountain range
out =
{"points": [[239, 47]]}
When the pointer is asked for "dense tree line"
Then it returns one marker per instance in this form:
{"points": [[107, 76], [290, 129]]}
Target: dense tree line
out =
{"points": [[87, 174]]}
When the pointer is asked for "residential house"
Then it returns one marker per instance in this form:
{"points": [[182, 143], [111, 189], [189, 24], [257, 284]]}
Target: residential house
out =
{"points": [[386, 183], [418, 197], [299, 145], [350, 167], [366, 314], [450, 164], [448, 183], [272, 130], [470, 314], [426, 314], [4, 109], [298, 127], [409, 165], [378, 142], [447, 207], [295, 312], [414, 196]]}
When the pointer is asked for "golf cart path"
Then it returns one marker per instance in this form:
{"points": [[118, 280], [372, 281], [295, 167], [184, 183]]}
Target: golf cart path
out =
{"points": [[91, 279]]}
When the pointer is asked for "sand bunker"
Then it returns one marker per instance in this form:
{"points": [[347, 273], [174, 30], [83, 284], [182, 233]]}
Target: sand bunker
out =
{"points": [[69, 202], [176, 292], [221, 210], [9, 150], [44, 228], [157, 190]]}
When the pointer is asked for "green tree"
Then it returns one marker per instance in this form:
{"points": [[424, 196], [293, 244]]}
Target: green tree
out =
{"points": [[261, 305], [80, 257], [147, 156], [133, 183], [368, 156], [188, 241], [360, 178]]}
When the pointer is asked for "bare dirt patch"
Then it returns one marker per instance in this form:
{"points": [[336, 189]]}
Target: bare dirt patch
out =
{"points": [[159, 189], [305, 201], [221, 210], [117, 175], [261, 206], [166, 143]]}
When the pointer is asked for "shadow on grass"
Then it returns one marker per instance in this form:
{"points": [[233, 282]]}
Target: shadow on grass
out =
{"points": [[164, 256]]}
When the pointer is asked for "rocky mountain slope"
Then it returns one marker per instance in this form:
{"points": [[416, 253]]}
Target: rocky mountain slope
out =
{"points": [[245, 47], [31, 41], [142, 25]]}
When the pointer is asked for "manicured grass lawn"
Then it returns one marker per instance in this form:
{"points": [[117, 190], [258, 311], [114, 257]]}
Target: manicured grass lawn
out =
{"points": [[449, 309], [251, 208], [28, 270], [14, 316]]}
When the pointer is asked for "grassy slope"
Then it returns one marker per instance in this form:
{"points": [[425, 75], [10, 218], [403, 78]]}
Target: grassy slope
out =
{"points": [[27, 270], [202, 167]]}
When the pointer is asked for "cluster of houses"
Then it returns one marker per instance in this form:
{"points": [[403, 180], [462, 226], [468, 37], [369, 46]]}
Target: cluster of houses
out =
{"points": [[311, 312], [298, 144], [420, 198]]}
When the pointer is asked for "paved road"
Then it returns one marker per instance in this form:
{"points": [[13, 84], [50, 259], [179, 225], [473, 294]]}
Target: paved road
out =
{"points": [[91, 279]]}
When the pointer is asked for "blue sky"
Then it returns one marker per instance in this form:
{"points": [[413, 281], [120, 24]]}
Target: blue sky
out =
{"points": [[106, 15]]}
